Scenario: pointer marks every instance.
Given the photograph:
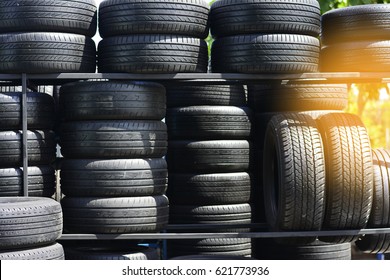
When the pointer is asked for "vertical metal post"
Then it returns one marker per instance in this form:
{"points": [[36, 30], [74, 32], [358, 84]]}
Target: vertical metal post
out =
{"points": [[24, 135]]}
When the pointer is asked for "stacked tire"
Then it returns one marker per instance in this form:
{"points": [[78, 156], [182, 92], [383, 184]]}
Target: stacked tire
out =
{"points": [[208, 161], [265, 36], [153, 36], [44, 36], [113, 141], [361, 43]]}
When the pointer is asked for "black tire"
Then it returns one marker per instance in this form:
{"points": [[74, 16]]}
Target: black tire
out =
{"points": [[278, 97], [208, 156], [29, 222], [118, 17], [49, 252], [294, 175], [209, 123], [112, 101], [361, 56], [113, 139], [65, 16], [349, 174], [46, 53], [265, 53], [211, 257], [229, 17], [137, 253], [362, 22], [209, 189], [234, 217], [380, 210], [114, 178], [41, 181], [40, 110], [230, 247], [179, 95], [115, 215], [41, 147], [269, 250], [152, 54]]}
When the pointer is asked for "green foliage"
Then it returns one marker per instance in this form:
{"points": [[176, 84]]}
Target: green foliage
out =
{"points": [[327, 5]]}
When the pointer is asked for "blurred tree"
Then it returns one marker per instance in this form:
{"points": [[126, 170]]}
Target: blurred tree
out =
{"points": [[327, 5]]}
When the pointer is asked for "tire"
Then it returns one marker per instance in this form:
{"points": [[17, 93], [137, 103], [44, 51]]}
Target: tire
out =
{"points": [[137, 253], [294, 175], [380, 210], [230, 247], [40, 110], [208, 156], [364, 22], [49, 252], [118, 17], [152, 54], [41, 181], [268, 250], [79, 17], [42, 53], [112, 101], [41, 147], [361, 56], [114, 178], [115, 215], [210, 257], [209, 123], [349, 176], [265, 53], [113, 139], [230, 216], [277, 97], [29, 222], [205, 95], [248, 17], [209, 189]]}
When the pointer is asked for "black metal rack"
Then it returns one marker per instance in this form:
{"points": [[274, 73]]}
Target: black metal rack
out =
{"points": [[27, 80]]}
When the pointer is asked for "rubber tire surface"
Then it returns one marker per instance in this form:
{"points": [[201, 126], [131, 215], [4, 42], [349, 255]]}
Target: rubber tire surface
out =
{"points": [[358, 23], [114, 178], [380, 210], [41, 181], [226, 215], [294, 175], [43, 53], [49, 252], [41, 147], [230, 247], [40, 110], [208, 156], [210, 257], [229, 17], [277, 97], [209, 123], [29, 222], [112, 101], [265, 53], [111, 253], [65, 16], [349, 178], [203, 95], [113, 139], [118, 17], [360, 56], [152, 54], [115, 215], [209, 189]]}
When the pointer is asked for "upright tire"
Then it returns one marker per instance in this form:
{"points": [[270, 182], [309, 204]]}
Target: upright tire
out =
{"points": [[48, 252]]}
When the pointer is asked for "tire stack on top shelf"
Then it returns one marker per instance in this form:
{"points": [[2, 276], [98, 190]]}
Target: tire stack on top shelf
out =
{"points": [[113, 175], [37, 37], [362, 44], [276, 38], [208, 159]]}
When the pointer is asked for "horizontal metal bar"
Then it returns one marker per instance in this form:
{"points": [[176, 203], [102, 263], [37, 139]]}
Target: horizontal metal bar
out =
{"points": [[148, 236]]}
